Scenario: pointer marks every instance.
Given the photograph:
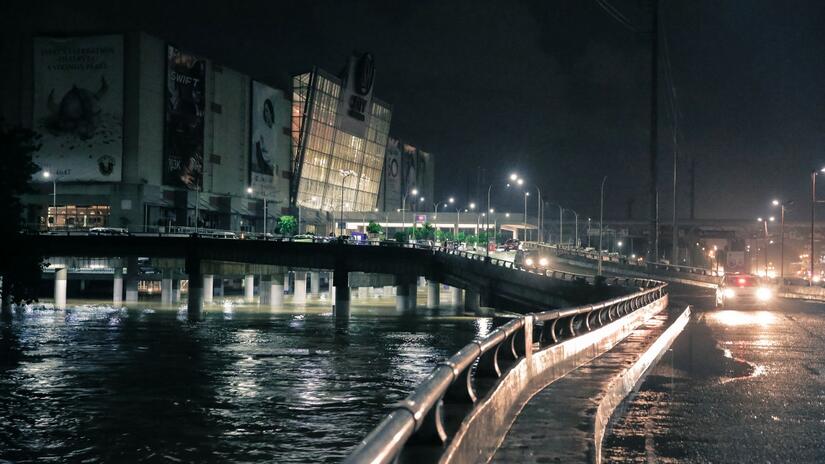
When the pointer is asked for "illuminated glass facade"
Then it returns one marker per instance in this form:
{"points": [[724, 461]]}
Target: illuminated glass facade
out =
{"points": [[327, 160]]}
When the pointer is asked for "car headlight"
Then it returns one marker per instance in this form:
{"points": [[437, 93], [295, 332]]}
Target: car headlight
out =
{"points": [[764, 294], [528, 261], [729, 293], [543, 262]]}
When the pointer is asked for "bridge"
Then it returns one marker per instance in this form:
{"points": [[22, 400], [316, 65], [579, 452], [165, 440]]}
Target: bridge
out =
{"points": [[482, 281]]}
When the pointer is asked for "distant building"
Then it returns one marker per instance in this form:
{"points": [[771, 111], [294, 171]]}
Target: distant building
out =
{"points": [[339, 134], [407, 168], [139, 133]]}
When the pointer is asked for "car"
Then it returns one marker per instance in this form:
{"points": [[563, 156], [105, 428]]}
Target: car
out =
{"points": [[424, 243], [304, 238], [108, 231], [220, 234], [531, 260], [743, 291], [512, 245]]}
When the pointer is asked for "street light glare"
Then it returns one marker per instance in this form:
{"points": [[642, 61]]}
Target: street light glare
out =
{"points": [[514, 176], [775, 202], [492, 210], [520, 181], [526, 194], [771, 218], [46, 174], [759, 219], [414, 191], [249, 190], [451, 200], [472, 205]]}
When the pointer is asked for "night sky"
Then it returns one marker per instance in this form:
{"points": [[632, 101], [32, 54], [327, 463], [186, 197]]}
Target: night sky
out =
{"points": [[557, 90]]}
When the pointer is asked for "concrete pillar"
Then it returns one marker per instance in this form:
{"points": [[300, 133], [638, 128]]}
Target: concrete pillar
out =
{"points": [[117, 283], [166, 290], [208, 287], [264, 290], [132, 279], [315, 283], [276, 291], [433, 294], [331, 292], [61, 277], [341, 295], [194, 304], [457, 294], [287, 282], [300, 295], [471, 302], [422, 281], [249, 288], [388, 290], [406, 295], [363, 292], [176, 285]]}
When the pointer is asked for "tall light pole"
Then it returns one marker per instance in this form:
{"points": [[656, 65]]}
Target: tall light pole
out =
{"points": [[561, 224], [250, 191], [344, 174], [412, 192], [576, 238], [814, 201], [472, 208], [601, 225], [526, 194], [47, 175], [782, 206]]}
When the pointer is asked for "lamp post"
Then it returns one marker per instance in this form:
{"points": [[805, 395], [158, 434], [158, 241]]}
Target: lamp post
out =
{"points": [[765, 223], [472, 208], [576, 238], [561, 224], [526, 194], [344, 174], [782, 205], [47, 175], [601, 225], [814, 201], [412, 192], [250, 191]]}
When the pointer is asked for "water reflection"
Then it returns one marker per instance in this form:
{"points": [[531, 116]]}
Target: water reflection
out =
{"points": [[103, 384], [736, 318]]}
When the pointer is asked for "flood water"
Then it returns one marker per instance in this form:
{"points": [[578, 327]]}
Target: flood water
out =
{"points": [[95, 383]]}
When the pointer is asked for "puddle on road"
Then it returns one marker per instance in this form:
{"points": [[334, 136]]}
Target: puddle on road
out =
{"points": [[698, 355]]}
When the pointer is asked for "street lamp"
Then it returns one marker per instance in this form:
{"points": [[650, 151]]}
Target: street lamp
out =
{"points": [[47, 175], [344, 174], [601, 225], [412, 192], [814, 201], [576, 238], [782, 206], [765, 223], [526, 194]]}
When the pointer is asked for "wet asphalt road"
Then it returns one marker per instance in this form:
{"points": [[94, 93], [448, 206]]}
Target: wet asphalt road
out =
{"points": [[738, 386]]}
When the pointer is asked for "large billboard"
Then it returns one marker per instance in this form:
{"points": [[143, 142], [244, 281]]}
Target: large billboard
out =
{"points": [[78, 106], [265, 133], [183, 127], [356, 96], [392, 176]]}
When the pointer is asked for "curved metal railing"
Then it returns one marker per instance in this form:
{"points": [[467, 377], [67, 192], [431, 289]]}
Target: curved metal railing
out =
{"points": [[428, 418]]}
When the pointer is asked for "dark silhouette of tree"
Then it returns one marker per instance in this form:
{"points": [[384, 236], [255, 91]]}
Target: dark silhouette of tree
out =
{"points": [[21, 264]]}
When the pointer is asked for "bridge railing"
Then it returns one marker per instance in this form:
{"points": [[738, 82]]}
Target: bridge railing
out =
{"points": [[426, 421]]}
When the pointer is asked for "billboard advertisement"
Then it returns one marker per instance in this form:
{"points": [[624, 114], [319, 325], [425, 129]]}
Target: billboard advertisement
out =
{"points": [[392, 176], [356, 97], [183, 125], [78, 106], [264, 132]]}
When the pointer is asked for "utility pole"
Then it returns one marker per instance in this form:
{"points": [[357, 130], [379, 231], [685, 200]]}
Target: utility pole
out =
{"points": [[653, 244]]}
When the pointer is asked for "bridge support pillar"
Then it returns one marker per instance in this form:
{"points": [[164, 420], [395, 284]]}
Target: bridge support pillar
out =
{"points": [[176, 286], [341, 294], [208, 287], [388, 289], [472, 301], [249, 288], [117, 283], [363, 292], [315, 284], [194, 303], [433, 294], [61, 277], [300, 295], [406, 293], [276, 290], [132, 279], [264, 290], [457, 295], [422, 281], [166, 289]]}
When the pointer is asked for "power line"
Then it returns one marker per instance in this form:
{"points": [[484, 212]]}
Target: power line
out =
{"points": [[617, 15]]}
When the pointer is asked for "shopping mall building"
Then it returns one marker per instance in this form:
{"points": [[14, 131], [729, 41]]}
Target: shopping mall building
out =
{"points": [[140, 133]]}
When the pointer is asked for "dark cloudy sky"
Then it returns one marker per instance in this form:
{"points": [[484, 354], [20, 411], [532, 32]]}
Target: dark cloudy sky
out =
{"points": [[557, 90]]}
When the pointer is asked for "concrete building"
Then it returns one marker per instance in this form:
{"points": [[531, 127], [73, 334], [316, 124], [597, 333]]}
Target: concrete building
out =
{"points": [[138, 133]]}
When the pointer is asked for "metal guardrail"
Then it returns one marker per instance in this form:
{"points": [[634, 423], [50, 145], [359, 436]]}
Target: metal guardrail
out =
{"points": [[427, 418]]}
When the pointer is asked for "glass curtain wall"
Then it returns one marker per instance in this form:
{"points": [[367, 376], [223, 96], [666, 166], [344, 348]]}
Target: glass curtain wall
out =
{"points": [[328, 152]]}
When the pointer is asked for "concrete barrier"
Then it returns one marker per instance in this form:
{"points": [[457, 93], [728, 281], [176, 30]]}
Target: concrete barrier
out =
{"points": [[622, 385], [482, 431], [802, 292], [636, 271]]}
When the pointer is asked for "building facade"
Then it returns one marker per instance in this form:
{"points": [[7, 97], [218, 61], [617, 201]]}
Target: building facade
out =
{"points": [[406, 168], [139, 133], [339, 134]]}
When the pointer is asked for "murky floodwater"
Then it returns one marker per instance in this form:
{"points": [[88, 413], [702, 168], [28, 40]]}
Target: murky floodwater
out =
{"points": [[100, 384]]}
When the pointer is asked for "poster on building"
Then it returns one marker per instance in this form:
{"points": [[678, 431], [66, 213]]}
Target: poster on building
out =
{"points": [[183, 126], [392, 175], [264, 135], [409, 167], [78, 107], [356, 97]]}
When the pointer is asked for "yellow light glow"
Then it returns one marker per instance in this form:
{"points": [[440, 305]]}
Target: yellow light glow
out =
{"points": [[738, 318]]}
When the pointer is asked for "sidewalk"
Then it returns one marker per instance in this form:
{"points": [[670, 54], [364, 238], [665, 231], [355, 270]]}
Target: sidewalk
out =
{"points": [[565, 421]]}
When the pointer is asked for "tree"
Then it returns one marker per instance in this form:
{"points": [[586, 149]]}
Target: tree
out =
{"points": [[401, 237], [287, 224], [374, 228], [22, 264]]}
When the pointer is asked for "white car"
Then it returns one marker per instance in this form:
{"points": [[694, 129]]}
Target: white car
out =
{"points": [[108, 231], [743, 291]]}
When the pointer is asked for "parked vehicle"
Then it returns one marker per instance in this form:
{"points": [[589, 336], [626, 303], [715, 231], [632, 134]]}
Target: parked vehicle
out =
{"points": [[512, 245], [304, 238], [108, 231]]}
